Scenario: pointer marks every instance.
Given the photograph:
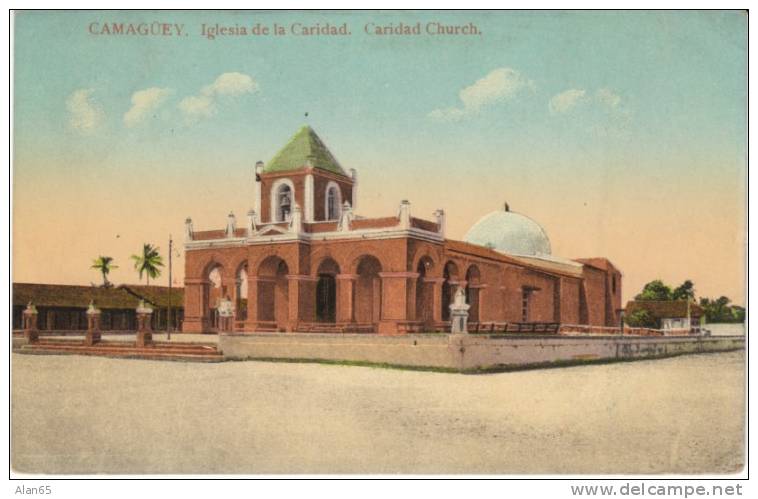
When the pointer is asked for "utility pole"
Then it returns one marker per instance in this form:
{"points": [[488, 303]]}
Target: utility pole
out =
{"points": [[168, 320]]}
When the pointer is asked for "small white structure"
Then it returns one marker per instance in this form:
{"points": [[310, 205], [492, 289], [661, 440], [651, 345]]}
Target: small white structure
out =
{"points": [[225, 308], [459, 313]]}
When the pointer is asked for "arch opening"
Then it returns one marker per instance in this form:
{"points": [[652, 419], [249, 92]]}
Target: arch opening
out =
{"points": [[273, 293], [283, 202], [333, 202], [473, 282], [326, 291], [213, 292]]}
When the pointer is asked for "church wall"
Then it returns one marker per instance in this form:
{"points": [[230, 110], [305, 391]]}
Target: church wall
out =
{"points": [[569, 295], [394, 288], [614, 298], [595, 296], [542, 304], [490, 307]]}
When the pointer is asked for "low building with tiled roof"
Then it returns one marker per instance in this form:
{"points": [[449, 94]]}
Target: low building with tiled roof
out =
{"points": [[63, 306], [669, 314]]}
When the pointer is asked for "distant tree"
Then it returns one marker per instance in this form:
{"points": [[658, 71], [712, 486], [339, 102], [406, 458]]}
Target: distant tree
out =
{"points": [[655, 290], [104, 264], [738, 313], [641, 318], [148, 262], [719, 310], [684, 292]]}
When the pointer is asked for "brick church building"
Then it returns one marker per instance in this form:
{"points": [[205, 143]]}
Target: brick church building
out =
{"points": [[304, 260]]}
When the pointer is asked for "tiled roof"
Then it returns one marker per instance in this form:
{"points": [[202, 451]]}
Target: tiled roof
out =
{"points": [[156, 295], [303, 148], [121, 297], [528, 263], [667, 309]]}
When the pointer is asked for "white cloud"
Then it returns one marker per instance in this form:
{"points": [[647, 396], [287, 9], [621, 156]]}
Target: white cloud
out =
{"points": [[608, 97], [198, 106], [85, 114], [231, 84], [499, 85], [567, 100], [144, 101], [204, 105]]}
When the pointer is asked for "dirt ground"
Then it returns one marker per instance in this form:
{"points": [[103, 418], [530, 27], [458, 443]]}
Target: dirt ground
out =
{"points": [[86, 415]]}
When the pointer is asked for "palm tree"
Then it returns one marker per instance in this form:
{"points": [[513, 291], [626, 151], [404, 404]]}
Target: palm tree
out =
{"points": [[148, 262], [104, 264]]}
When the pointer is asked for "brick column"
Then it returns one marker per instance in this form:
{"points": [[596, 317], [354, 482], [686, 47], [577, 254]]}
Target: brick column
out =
{"points": [[345, 296], [252, 302], [395, 287], [30, 324], [144, 326], [195, 320], [93, 326], [300, 300]]}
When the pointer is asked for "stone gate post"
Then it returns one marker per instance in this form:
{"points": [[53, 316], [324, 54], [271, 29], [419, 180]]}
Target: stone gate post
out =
{"points": [[93, 325], [31, 333], [144, 324]]}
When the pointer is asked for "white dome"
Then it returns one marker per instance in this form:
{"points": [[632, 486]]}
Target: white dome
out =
{"points": [[509, 232]]}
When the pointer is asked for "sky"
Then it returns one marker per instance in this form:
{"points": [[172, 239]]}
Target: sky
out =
{"points": [[622, 133]]}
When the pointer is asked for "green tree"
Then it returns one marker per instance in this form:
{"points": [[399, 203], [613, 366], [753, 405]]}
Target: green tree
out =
{"points": [[641, 318], [104, 264], [684, 292], [719, 310], [148, 262], [738, 313], [654, 290]]}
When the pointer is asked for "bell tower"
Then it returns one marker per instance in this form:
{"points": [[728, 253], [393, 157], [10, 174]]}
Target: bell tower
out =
{"points": [[304, 173]]}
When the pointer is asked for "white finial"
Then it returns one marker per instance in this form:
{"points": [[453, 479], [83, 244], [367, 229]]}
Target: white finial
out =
{"points": [[251, 223], [144, 308], [92, 309], [188, 229], [439, 215], [346, 217], [231, 224], [405, 214]]}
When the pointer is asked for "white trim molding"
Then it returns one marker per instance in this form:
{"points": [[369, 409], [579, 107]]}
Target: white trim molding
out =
{"points": [[309, 199]]}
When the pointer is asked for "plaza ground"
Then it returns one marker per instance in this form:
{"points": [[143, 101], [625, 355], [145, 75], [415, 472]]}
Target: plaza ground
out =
{"points": [[83, 415]]}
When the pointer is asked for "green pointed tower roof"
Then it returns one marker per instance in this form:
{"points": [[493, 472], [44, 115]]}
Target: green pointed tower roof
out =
{"points": [[305, 145]]}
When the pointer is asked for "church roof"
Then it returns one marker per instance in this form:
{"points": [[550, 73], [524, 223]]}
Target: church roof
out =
{"points": [[305, 147]]}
